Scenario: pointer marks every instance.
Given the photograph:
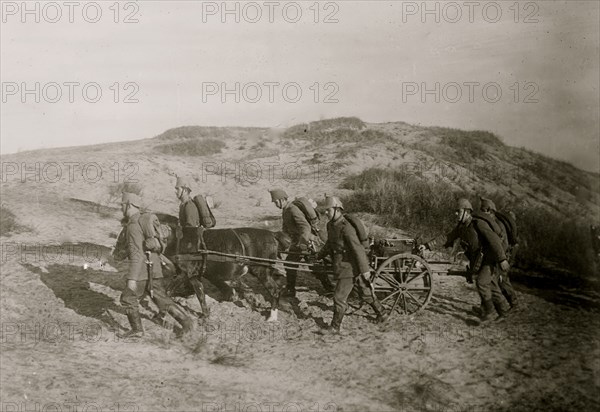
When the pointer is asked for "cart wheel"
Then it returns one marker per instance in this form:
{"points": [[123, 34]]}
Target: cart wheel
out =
{"points": [[403, 283]]}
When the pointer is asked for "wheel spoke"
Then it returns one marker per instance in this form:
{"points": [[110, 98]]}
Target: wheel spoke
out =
{"points": [[417, 276], [419, 304], [395, 302], [404, 278], [385, 276], [401, 275], [391, 295], [394, 271]]}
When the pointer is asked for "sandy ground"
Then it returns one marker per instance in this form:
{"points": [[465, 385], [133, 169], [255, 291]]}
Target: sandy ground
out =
{"points": [[59, 347], [60, 351]]}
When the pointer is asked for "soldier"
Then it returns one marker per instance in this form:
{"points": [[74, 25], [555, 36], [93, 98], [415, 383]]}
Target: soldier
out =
{"points": [[298, 229], [488, 207], [144, 277], [189, 218], [350, 264], [486, 256]]}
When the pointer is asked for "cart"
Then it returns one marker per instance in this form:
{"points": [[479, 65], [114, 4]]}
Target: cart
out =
{"points": [[401, 278]]}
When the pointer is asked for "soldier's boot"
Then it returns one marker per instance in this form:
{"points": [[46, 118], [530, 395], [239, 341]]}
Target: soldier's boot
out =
{"points": [[502, 310], [478, 309], [489, 312], [335, 327], [290, 289], [512, 301], [137, 330], [183, 319], [382, 316]]}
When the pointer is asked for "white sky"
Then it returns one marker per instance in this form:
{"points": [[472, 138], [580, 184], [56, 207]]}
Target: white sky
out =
{"points": [[373, 49]]}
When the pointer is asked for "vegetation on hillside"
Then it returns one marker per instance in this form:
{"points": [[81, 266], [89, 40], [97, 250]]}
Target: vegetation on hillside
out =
{"points": [[474, 150], [340, 130], [8, 222], [195, 132], [413, 203], [203, 147]]}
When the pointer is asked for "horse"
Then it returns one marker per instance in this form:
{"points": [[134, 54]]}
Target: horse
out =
{"points": [[224, 273]]}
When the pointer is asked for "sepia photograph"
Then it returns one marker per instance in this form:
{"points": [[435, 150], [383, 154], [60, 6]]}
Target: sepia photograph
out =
{"points": [[299, 206]]}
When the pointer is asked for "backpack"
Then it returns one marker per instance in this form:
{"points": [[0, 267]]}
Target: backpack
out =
{"points": [[358, 225], [489, 219], [207, 219], [309, 212], [156, 234], [510, 224]]}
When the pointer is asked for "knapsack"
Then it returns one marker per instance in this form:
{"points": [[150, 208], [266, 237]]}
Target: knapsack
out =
{"points": [[309, 212], [510, 224], [358, 225], [156, 234], [207, 219], [489, 219]]}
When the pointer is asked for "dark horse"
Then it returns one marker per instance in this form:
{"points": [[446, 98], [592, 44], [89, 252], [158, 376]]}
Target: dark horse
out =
{"points": [[224, 273]]}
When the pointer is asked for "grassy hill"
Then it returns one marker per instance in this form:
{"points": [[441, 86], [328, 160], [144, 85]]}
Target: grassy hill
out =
{"points": [[402, 177], [60, 294]]}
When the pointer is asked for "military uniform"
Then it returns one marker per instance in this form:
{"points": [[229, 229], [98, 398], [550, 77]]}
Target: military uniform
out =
{"points": [[189, 220], [298, 229], [503, 280], [485, 250], [469, 241], [349, 261], [494, 252], [139, 240], [138, 271]]}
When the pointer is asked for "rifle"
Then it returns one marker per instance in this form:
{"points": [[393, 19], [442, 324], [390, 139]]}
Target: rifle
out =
{"points": [[149, 268]]}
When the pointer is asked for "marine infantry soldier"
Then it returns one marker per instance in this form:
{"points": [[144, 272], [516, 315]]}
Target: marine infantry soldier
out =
{"points": [[350, 265], [189, 218], [298, 229], [489, 207], [144, 277], [486, 255]]}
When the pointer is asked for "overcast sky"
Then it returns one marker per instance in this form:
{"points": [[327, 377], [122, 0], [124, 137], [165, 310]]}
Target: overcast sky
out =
{"points": [[539, 63]]}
